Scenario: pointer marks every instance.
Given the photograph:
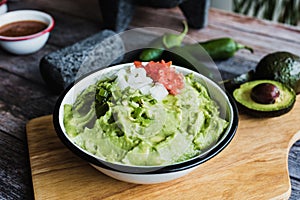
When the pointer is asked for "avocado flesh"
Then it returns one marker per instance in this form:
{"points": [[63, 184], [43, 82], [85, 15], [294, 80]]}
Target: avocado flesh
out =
{"points": [[283, 103], [280, 66]]}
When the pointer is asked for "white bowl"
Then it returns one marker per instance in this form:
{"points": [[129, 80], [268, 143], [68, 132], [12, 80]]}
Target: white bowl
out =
{"points": [[26, 44], [3, 7], [146, 174]]}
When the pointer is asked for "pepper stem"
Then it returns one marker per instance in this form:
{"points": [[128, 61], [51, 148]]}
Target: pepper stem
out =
{"points": [[173, 40], [241, 46], [185, 29]]}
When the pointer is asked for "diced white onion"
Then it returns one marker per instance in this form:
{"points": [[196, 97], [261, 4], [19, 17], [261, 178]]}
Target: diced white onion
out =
{"points": [[136, 78], [158, 91], [122, 83], [146, 89]]}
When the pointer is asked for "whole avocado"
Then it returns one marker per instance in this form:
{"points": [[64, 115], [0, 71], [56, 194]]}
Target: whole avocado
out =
{"points": [[280, 66]]}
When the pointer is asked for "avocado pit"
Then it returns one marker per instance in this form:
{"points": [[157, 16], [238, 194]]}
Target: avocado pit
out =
{"points": [[265, 93]]}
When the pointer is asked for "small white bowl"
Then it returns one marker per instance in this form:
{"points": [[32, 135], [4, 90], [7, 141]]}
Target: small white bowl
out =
{"points": [[3, 7], [146, 174], [30, 43]]}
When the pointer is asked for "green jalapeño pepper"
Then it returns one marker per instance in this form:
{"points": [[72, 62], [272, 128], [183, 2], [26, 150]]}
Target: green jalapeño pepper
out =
{"points": [[194, 61], [158, 46], [234, 83], [154, 53], [219, 49]]}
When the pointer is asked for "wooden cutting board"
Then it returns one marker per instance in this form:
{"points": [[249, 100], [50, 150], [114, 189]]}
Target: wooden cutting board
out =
{"points": [[253, 166]]}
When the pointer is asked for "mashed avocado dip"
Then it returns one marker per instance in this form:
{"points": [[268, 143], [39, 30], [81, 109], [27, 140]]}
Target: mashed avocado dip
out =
{"points": [[129, 126]]}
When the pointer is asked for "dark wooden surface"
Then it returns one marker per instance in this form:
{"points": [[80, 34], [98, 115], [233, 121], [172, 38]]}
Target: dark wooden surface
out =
{"points": [[24, 96]]}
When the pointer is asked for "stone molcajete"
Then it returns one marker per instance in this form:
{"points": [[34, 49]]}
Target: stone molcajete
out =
{"points": [[62, 67], [117, 14]]}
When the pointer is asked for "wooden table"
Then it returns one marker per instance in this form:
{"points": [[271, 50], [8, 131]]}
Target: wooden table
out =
{"points": [[24, 96]]}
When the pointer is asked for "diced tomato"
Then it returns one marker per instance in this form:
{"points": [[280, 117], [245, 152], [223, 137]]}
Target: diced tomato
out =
{"points": [[138, 64], [172, 80], [168, 64], [162, 72]]}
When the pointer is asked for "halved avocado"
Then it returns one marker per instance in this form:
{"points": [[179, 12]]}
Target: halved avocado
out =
{"points": [[283, 103]]}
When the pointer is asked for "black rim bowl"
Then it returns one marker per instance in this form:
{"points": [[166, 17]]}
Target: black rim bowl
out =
{"points": [[142, 169]]}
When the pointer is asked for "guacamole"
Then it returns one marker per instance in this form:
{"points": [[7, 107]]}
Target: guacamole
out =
{"points": [[127, 126]]}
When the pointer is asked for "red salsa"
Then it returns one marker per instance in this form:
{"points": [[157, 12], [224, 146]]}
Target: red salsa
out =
{"points": [[22, 28]]}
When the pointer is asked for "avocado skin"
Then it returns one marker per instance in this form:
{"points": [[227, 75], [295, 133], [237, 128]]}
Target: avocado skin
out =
{"points": [[251, 108], [263, 114], [280, 66]]}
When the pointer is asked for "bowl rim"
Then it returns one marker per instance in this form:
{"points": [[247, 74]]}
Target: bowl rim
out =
{"points": [[128, 169], [3, 2], [27, 37]]}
